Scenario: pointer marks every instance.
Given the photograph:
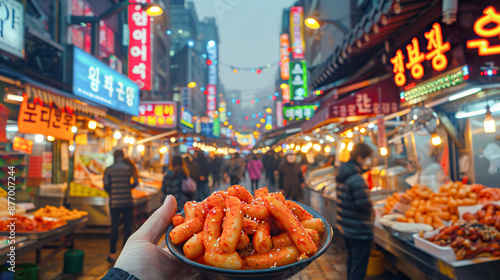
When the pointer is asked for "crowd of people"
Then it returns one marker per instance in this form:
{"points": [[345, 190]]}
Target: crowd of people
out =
{"points": [[187, 178]]}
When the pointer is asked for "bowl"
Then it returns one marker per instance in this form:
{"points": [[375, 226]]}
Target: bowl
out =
{"points": [[282, 272]]}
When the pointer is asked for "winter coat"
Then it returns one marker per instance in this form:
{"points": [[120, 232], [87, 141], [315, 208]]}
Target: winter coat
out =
{"points": [[117, 184], [354, 206], [203, 169], [172, 184], [290, 179], [254, 167]]}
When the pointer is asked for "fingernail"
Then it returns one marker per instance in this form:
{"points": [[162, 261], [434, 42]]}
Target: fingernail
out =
{"points": [[167, 199]]}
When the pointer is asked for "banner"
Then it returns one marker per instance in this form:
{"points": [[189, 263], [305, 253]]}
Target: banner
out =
{"points": [[22, 145], [284, 56], [297, 32], [12, 27], [139, 54], [157, 113], [298, 113], [298, 80], [279, 114], [36, 119]]}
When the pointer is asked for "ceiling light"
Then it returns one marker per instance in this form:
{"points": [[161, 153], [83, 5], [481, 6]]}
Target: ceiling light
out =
{"points": [[117, 135], [50, 138], [140, 148], [464, 93], [11, 128], [74, 129], [383, 151], [435, 139], [13, 97], [39, 138], [92, 124], [163, 150], [131, 140], [462, 115]]}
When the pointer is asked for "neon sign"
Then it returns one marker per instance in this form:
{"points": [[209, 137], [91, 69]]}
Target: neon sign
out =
{"points": [[436, 54], [483, 45]]}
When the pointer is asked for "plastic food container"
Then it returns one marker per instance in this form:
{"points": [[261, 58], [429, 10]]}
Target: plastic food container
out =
{"points": [[444, 253]]}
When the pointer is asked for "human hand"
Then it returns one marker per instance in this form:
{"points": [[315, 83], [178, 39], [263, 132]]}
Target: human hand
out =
{"points": [[145, 259]]}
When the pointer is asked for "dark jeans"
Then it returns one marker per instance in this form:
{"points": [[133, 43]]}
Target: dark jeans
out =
{"points": [[256, 183], [358, 254], [235, 180], [216, 180], [126, 214], [270, 176]]}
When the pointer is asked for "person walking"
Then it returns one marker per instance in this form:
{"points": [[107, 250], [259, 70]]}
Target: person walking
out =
{"points": [[254, 168], [270, 166], [355, 211], [172, 182], [216, 171], [291, 179], [235, 169], [204, 170], [119, 180]]}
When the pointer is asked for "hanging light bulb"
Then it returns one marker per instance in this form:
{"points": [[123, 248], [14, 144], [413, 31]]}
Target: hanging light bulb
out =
{"points": [[117, 134], [140, 148], [435, 139], [349, 134], [383, 151], [92, 124], [163, 150], [327, 149], [489, 122]]}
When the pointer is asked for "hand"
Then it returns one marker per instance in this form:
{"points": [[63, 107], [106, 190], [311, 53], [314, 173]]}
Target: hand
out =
{"points": [[146, 260]]}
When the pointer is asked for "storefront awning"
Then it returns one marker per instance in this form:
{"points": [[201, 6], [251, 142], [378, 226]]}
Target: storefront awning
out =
{"points": [[379, 99], [63, 102]]}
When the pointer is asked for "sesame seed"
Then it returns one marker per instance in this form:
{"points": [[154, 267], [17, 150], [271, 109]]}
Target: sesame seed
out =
{"points": [[270, 255]]}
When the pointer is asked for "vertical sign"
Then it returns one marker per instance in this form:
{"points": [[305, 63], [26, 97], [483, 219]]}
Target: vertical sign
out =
{"points": [[269, 122], [285, 92], [298, 80], [4, 116], [297, 32], [216, 128], [12, 27], [139, 55], [279, 114], [223, 111], [47, 165], [186, 97], [284, 56], [212, 78], [212, 89], [382, 140]]}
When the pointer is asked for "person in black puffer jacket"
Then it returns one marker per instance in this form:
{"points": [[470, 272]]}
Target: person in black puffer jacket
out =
{"points": [[355, 211], [117, 183], [172, 182]]}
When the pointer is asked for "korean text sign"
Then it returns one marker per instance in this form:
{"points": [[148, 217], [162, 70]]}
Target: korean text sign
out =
{"points": [[427, 53], [211, 102], [298, 80], [139, 53], [284, 56], [49, 121], [160, 114], [187, 118], [95, 81], [367, 102], [297, 32], [299, 112], [12, 27]]}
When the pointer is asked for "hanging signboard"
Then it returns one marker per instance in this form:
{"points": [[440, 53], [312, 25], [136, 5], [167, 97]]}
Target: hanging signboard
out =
{"points": [[298, 80], [139, 54], [34, 118], [303, 112], [22, 145], [95, 81], [186, 118], [216, 127], [157, 113], [279, 114], [284, 56], [297, 32], [211, 107], [12, 27]]}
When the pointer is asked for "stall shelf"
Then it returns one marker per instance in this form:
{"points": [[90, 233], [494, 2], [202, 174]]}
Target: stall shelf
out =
{"points": [[418, 264], [64, 237]]}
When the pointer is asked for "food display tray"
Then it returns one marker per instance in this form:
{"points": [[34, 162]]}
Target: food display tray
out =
{"points": [[76, 221], [35, 235]]}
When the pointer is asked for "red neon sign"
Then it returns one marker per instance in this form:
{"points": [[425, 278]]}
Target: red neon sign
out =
{"points": [[437, 49], [483, 45], [139, 55]]}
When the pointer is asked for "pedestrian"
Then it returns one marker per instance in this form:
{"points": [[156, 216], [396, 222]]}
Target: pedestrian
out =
{"points": [[254, 167], [234, 169], [355, 211], [172, 182], [291, 179], [216, 171], [270, 166], [119, 180], [192, 168], [204, 170]]}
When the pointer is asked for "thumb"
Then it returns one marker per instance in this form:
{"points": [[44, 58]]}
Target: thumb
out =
{"points": [[156, 226]]}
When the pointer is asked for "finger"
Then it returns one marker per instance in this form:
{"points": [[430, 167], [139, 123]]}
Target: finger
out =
{"points": [[156, 226]]}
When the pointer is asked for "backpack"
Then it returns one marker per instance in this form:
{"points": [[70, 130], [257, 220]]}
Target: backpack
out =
{"points": [[188, 186]]}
